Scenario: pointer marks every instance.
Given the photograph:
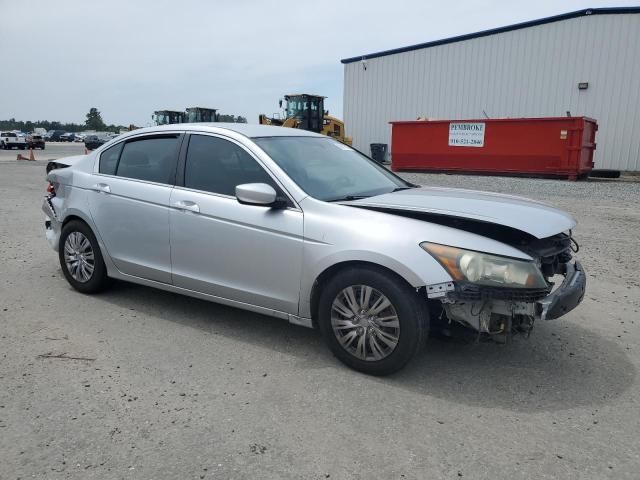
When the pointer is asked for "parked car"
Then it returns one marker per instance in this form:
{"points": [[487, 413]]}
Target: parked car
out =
{"points": [[79, 137], [56, 135], [94, 141], [66, 137], [9, 140], [296, 225], [35, 140]]}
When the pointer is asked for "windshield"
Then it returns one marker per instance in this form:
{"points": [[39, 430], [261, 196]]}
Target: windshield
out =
{"points": [[295, 107], [298, 105], [329, 170]]}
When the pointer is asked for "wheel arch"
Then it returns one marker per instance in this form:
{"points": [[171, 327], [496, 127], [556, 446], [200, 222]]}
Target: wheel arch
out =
{"points": [[75, 214], [72, 217], [333, 270]]}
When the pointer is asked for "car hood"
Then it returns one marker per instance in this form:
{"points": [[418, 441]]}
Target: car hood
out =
{"points": [[533, 217]]}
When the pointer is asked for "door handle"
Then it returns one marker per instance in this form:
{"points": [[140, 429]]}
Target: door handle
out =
{"points": [[186, 205], [102, 187]]}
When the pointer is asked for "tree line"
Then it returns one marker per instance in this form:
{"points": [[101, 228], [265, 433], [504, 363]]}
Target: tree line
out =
{"points": [[231, 118], [93, 122]]}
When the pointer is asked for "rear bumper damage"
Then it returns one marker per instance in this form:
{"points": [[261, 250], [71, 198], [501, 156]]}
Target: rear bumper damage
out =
{"points": [[51, 223], [496, 311]]}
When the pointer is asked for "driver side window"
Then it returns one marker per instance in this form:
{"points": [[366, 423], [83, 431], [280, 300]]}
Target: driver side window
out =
{"points": [[218, 166]]}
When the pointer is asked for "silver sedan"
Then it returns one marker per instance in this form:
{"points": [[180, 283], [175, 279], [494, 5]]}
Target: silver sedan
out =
{"points": [[296, 225]]}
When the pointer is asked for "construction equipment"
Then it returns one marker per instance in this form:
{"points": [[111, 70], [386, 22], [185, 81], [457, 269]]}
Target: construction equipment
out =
{"points": [[307, 112], [168, 117], [190, 115], [201, 115]]}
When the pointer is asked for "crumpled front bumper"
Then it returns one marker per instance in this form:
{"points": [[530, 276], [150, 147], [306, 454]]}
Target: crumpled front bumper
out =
{"points": [[486, 309], [566, 297]]}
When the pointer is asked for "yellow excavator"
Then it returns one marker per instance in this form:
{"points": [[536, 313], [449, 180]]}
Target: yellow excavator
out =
{"points": [[307, 112]]}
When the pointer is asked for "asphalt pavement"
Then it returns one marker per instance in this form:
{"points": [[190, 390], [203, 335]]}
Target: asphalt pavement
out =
{"points": [[51, 151], [143, 384]]}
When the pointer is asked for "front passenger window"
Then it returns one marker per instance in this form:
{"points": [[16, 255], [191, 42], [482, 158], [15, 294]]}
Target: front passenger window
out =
{"points": [[218, 166], [151, 159]]}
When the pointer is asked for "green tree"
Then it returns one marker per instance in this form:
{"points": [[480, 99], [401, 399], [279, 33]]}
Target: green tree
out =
{"points": [[94, 120], [231, 118]]}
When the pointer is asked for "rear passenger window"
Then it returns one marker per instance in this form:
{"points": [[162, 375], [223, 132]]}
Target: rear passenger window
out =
{"points": [[151, 159], [109, 159], [216, 165]]}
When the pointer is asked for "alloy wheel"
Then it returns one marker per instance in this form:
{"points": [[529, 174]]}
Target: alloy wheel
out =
{"points": [[79, 257], [365, 322]]}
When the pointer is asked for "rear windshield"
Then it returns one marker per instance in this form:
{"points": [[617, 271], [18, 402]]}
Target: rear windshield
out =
{"points": [[36, 137]]}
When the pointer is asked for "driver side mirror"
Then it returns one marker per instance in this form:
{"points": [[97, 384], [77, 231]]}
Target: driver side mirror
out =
{"points": [[259, 194]]}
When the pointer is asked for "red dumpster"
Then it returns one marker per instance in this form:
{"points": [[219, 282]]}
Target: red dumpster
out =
{"points": [[556, 146]]}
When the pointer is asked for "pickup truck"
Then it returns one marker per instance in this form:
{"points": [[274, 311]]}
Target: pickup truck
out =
{"points": [[8, 140], [35, 141]]}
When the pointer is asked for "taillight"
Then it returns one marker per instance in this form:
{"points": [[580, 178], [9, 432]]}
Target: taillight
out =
{"points": [[51, 191]]}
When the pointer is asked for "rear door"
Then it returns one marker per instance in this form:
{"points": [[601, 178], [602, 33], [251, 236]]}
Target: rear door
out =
{"points": [[249, 254], [130, 203]]}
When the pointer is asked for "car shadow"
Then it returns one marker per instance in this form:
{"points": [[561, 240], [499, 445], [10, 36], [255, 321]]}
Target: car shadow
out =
{"points": [[561, 366]]}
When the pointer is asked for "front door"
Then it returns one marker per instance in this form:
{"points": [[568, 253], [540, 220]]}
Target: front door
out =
{"points": [[130, 204], [249, 254]]}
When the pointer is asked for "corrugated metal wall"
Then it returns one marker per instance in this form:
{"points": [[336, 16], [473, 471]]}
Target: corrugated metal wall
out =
{"points": [[531, 72]]}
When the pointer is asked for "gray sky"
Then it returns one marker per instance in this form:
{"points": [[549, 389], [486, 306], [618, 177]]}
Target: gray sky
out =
{"points": [[129, 58]]}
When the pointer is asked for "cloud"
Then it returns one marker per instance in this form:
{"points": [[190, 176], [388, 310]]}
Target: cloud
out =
{"points": [[131, 58]]}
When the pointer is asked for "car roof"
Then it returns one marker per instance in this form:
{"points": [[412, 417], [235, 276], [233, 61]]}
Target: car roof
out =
{"points": [[246, 129]]}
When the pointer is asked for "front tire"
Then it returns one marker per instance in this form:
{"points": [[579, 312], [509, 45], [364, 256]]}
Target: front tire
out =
{"points": [[80, 258], [372, 320]]}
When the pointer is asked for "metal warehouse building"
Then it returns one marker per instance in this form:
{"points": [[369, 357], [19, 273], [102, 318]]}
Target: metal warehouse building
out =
{"points": [[586, 63]]}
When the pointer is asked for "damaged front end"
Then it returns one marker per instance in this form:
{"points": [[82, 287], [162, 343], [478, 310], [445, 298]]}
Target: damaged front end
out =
{"points": [[492, 294], [498, 297]]}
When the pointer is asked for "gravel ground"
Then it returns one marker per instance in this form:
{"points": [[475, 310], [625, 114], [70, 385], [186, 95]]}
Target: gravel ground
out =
{"points": [[179, 388], [52, 150]]}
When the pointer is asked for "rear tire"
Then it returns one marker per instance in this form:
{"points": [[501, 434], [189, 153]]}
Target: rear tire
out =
{"points": [[81, 259], [364, 336]]}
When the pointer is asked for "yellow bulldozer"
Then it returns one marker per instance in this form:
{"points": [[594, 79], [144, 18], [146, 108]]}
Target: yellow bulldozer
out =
{"points": [[307, 112]]}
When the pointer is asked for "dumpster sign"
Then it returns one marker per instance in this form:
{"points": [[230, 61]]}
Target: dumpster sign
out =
{"points": [[466, 134]]}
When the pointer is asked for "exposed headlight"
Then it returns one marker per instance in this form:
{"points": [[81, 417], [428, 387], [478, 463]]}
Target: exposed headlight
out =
{"points": [[486, 269]]}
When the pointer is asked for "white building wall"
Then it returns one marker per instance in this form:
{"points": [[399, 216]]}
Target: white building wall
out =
{"points": [[532, 72]]}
